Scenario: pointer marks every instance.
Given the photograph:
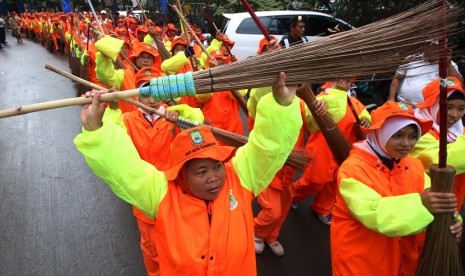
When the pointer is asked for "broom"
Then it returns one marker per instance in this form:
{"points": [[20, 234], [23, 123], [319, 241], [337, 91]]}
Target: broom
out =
{"points": [[297, 159], [440, 254], [342, 55], [338, 144]]}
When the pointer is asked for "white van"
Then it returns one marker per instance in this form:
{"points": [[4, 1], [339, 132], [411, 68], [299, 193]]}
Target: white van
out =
{"points": [[241, 28]]}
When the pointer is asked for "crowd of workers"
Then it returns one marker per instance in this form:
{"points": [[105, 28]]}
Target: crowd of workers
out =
{"points": [[192, 194]]}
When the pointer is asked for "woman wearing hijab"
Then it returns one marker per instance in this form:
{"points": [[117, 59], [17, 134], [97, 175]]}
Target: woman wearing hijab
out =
{"points": [[203, 201], [383, 201], [428, 147]]}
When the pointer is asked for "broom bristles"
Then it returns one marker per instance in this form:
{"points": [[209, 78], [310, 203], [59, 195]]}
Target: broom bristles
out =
{"points": [[440, 254], [337, 142], [377, 48]]}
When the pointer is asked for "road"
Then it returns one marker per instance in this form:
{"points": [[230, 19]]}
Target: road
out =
{"points": [[57, 218]]}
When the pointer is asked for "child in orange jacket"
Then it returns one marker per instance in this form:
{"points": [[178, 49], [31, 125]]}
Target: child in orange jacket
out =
{"points": [[383, 200]]}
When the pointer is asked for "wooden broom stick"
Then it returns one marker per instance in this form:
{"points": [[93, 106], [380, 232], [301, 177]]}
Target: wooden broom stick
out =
{"points": [[210, 19], [160, 47], [65, 103], [256, 20], [144, 17]]}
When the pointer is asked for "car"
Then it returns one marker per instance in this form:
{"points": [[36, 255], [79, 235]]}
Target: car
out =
{"points": [[240, 27]]}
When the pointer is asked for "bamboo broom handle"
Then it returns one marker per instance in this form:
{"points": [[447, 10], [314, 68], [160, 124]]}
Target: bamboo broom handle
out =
{"points": [[65, 103], [161, 49], [144, 17], [184, 22], [98, 87]]}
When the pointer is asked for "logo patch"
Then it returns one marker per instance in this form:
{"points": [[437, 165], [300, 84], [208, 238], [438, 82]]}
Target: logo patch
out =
{"points": [[197, 138], [403, 106], [451, 83], [232, 201]]}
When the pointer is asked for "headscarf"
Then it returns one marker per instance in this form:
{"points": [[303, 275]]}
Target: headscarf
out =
{"points": [[431, 113], [377, 139]]}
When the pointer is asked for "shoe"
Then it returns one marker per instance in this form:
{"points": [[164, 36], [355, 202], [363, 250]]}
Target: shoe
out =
{"points": [[277, 248], [294, 205], [259, 245], [326, 219]]}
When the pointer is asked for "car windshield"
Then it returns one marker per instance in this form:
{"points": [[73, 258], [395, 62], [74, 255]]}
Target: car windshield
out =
{"points": [[248, 26]]}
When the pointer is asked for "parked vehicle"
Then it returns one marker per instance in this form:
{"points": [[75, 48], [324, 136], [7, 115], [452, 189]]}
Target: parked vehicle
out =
{"points": [[240, 27]]}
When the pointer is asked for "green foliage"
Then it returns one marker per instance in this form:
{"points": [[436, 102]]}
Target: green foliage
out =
{"points": [[360, 12]]}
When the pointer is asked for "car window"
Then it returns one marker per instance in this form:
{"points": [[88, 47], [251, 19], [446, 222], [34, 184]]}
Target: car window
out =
{"points": [[224, 24], [279, 25], [248, 26], [319, 25], [314, 25]]}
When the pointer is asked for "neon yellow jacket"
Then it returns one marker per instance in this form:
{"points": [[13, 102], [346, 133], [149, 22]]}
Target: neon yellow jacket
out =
{"points": [[172, 65], [109, 152], [376, 216], [427, 151], [336, 110]]}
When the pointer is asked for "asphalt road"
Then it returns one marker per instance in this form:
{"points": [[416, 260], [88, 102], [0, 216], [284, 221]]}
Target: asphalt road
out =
{"points": [[57, 218]]}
